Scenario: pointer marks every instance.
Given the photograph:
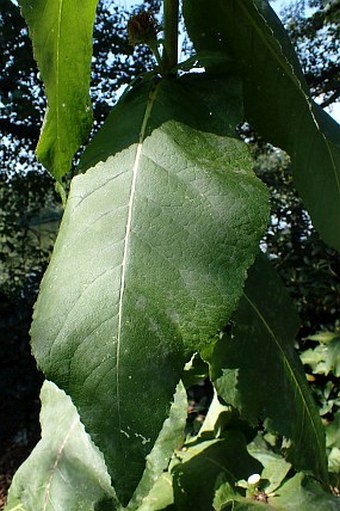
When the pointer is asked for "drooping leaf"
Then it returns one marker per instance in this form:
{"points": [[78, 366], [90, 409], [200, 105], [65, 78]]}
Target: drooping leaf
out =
{"points": [[277, 102], [217, 418], [65, 471], [206, 466], [170, 438], [149, 262], [160, 497], [275, 466], [257, 371], [61, 33]]}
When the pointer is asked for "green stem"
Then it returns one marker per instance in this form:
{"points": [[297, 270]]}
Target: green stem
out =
{"points": [[171, 12], [157, 55]]}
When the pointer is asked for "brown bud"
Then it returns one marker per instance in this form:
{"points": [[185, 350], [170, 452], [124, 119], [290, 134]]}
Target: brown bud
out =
{"points": [[142, 28]]}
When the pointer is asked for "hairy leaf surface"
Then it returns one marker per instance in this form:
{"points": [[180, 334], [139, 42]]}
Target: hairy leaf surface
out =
{"points": [[65, 471], [149, 262], [61, 33], [277, 102], [257, 370]]}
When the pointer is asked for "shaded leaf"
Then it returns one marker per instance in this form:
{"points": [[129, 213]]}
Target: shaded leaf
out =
{"points": [[277, 102], [65, 471], [275, 466], [258, 372], [208, 465], [195, 371], [227, 499], [304, 494], [217, 418], [300, 493], [149, 262], [61, 33]]}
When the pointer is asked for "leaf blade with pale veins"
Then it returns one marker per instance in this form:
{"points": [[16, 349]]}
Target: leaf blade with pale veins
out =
{"points": [[65, 470]]}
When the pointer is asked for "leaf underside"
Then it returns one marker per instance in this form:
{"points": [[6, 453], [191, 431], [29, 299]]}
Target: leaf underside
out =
{"points": [[65, 471], [61, 33], [149, 262], [277, 102], [269, 383]]}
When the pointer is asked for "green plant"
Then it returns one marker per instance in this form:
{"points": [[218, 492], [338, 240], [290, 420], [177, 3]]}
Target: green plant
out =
{"points": [[156, 264]]}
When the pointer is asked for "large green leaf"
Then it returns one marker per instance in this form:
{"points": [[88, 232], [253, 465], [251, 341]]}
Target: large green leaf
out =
{"points": [[65, 471], [257, 370], [61, 33], [277, 102], [149, 262]]}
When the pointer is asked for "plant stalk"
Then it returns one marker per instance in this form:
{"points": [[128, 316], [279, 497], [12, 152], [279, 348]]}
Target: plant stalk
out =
{"points": [[171, 13]]}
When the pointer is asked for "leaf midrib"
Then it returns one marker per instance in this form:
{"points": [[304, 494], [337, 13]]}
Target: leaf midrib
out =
{"points": [[136, 165], [58, 128]]}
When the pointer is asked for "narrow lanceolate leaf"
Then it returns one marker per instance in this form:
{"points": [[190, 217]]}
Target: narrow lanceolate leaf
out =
{"points": [[258, 371], [65, 471], [61, 33], [277, 102], [149, 262]]}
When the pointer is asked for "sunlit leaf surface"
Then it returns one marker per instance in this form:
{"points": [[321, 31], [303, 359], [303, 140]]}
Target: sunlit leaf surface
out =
{"points": [[61, 33], [149, 262]]}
